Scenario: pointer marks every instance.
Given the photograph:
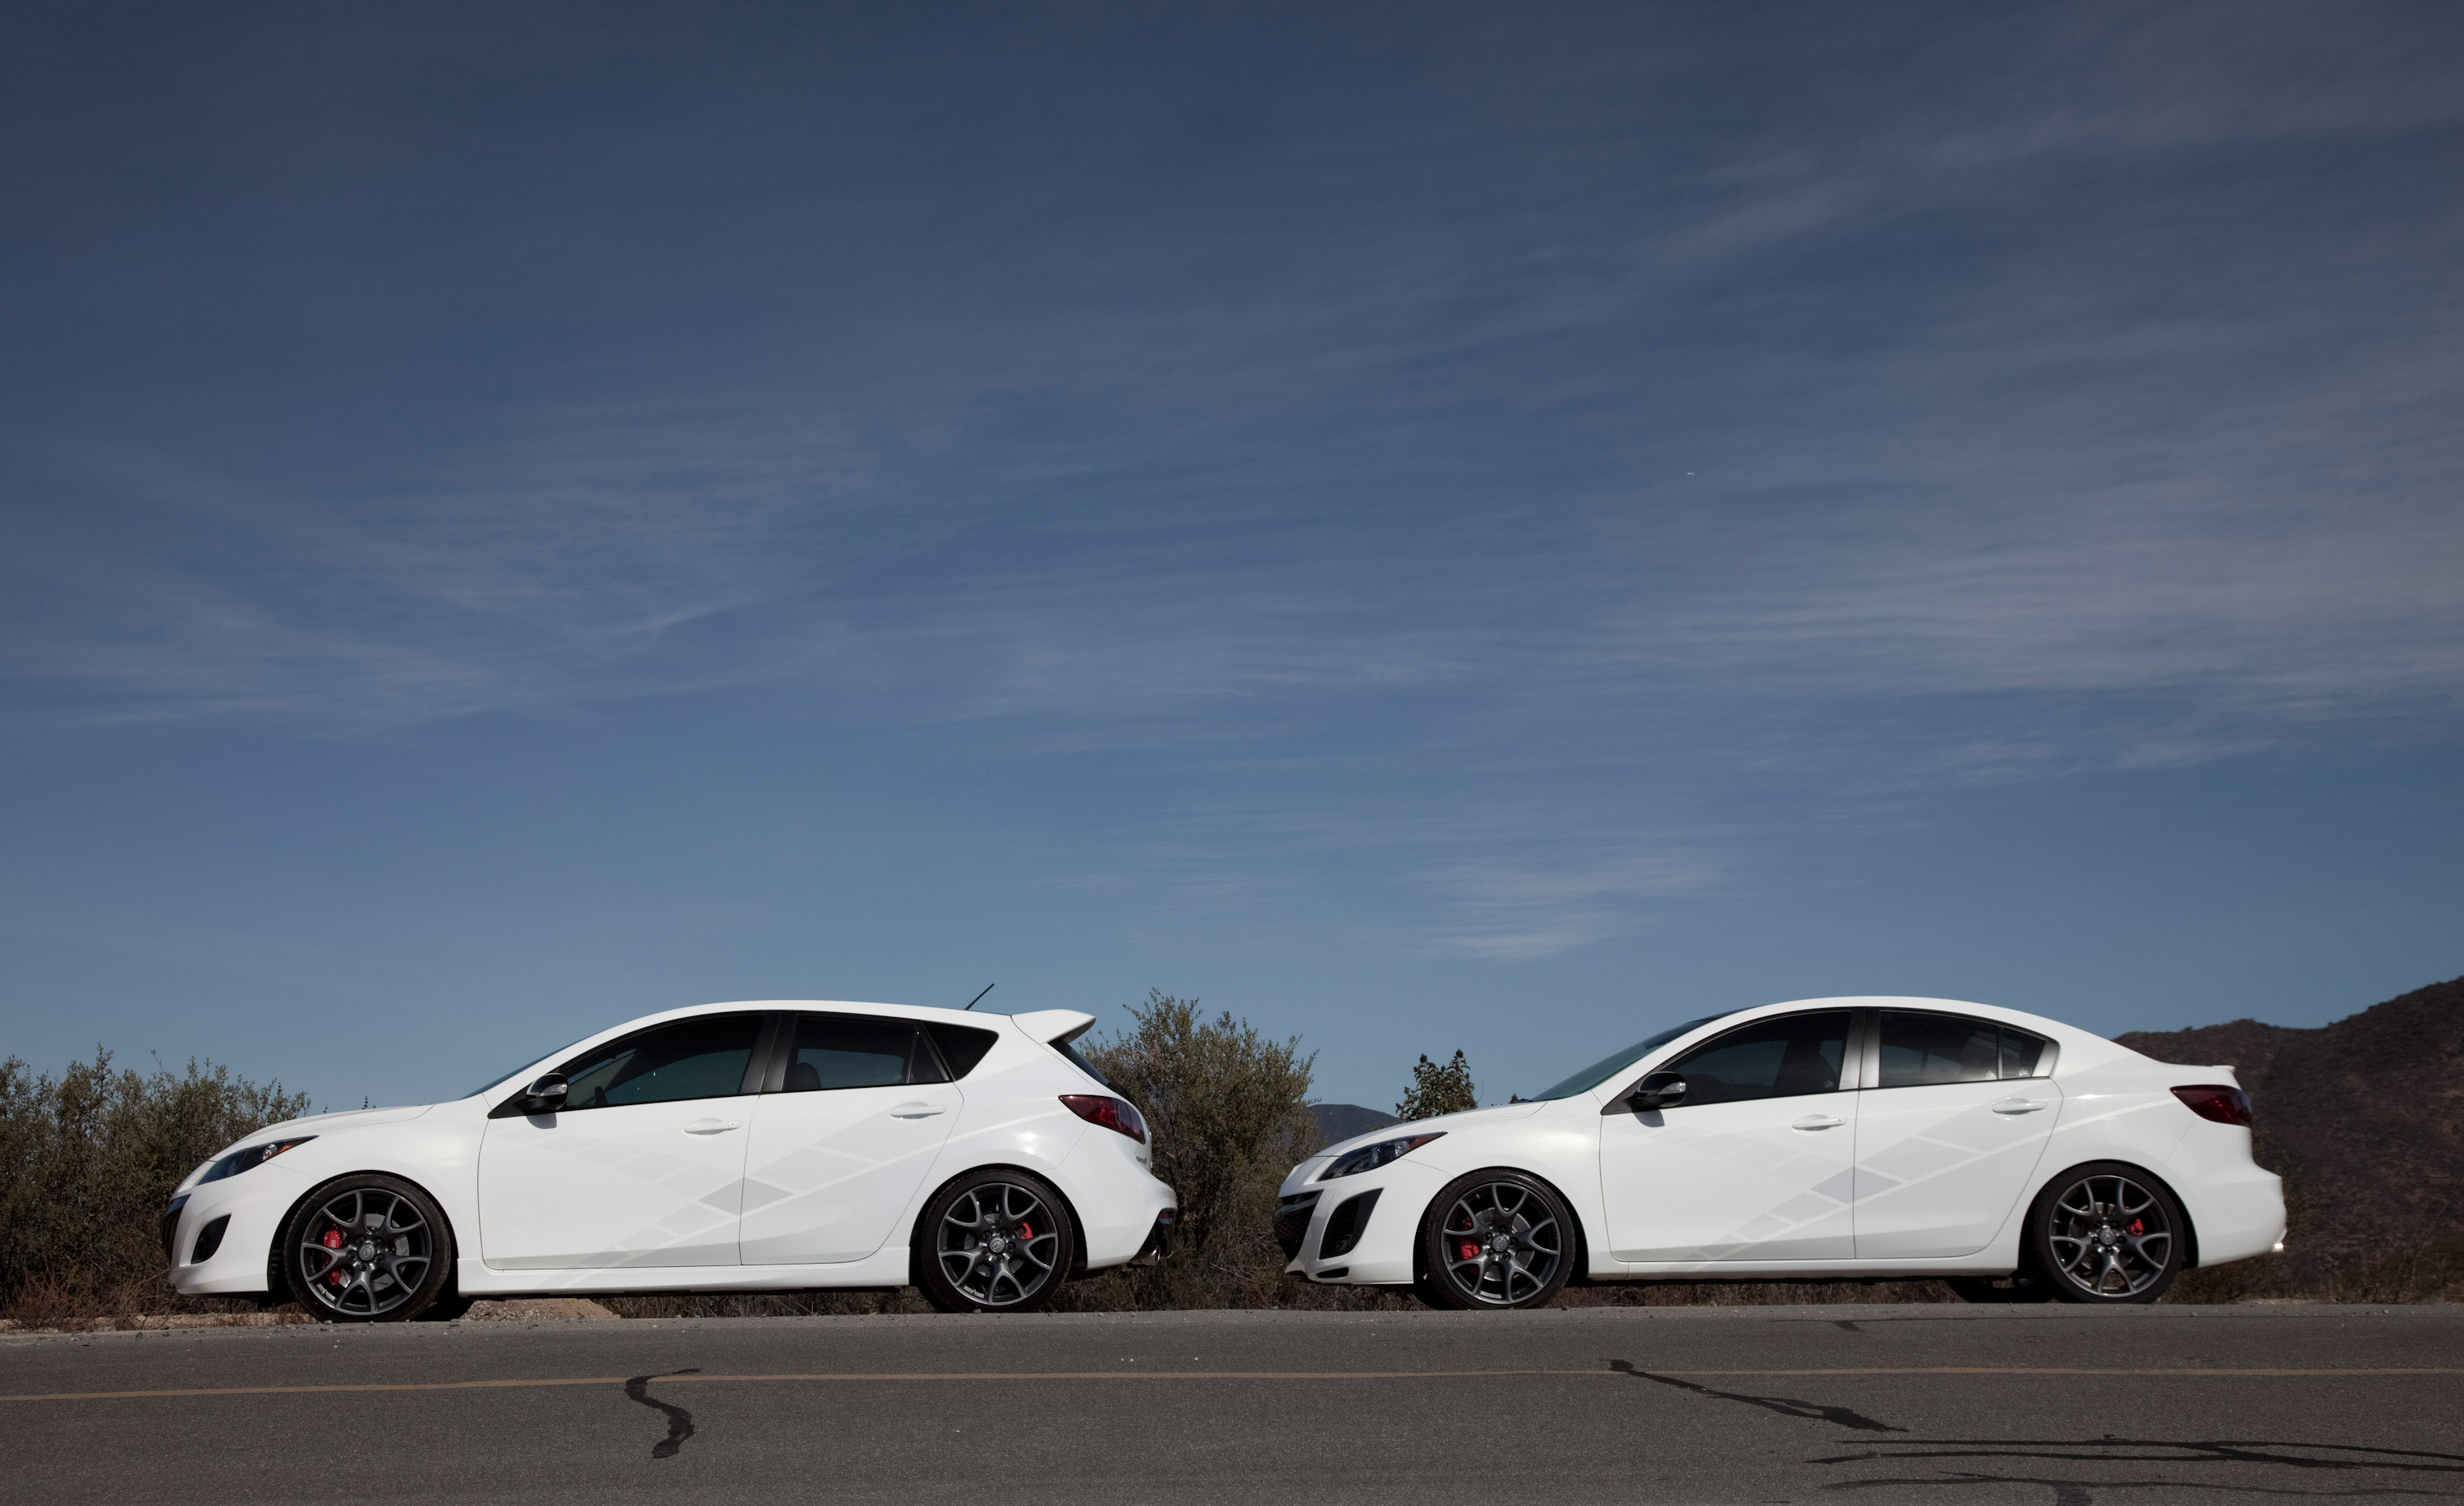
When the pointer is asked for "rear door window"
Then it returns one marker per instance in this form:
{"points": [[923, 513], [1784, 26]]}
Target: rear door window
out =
{"points": [[856, 1051], [1919, 1049]]}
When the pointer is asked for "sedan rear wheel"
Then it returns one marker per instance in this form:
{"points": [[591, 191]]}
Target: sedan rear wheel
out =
{"points": [[1495, 1239], [2106, 1234], [367, 1248]]}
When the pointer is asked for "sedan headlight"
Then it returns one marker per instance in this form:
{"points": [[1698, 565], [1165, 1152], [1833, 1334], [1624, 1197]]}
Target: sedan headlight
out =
{"points": [[239, 1160], [1369, 1158]]}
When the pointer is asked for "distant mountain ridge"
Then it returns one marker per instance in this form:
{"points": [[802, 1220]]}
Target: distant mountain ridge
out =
{"points": [[2364, 1118]]}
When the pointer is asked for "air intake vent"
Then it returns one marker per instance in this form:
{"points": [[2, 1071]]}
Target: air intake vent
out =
{"points": [[1292, 1220], [1345, 1226], [208, 1240]]}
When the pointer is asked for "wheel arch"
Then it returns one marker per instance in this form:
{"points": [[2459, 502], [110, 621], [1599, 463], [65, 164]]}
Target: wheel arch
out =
{"points": [[2189, 1220], [1579, 1259], [278, 1284], [916, 1231]]}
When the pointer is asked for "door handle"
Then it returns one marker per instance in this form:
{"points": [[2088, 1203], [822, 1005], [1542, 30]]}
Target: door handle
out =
{"points": [[916, 1111], [711, 1127], [2018, 1105], [1817, 1121]]}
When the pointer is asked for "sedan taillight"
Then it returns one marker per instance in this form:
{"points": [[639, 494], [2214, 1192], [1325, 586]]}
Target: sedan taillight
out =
{"points": [[2226, 1105], [1113, 1113]]}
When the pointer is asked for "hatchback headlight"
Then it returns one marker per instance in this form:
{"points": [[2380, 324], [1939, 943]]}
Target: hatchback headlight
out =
{"points": [[239, 1160], [1369, 1158]]}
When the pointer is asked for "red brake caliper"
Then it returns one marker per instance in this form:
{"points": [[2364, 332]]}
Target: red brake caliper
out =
{"points": [[333, 1240], [1025, 1232]]}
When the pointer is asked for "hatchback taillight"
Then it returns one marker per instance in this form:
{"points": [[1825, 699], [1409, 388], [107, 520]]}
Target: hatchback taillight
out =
{"points": [[2216, 1101], [1113, 1113]]}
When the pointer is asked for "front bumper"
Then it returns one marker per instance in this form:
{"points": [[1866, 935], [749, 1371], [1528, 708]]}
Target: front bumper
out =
{"points": [[250, 1208], [1356, 1231]]}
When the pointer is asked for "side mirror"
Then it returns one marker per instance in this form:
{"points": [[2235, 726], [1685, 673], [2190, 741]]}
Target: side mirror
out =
{"points": [[546, 1096], [1661, 1090]]}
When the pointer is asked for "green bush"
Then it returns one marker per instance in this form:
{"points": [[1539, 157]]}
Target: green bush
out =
{"points": [[1439, 1088], [87, 1162]]}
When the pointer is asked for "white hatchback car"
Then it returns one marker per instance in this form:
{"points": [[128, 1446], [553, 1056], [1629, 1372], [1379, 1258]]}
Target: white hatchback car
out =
{"points": [[730, 1147], [1823, 1140]]}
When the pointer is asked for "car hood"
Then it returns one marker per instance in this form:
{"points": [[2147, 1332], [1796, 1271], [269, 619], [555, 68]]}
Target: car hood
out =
{"points": [[328, 1123], [1502, 1114]]}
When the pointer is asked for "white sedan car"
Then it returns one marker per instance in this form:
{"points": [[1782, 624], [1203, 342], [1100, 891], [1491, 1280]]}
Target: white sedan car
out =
{"points": [[1824, 1139], [732, 1148]]}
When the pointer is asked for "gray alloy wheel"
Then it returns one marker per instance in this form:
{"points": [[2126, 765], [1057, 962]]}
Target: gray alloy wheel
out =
{"points": [[366, 1249], [2107, 1233], [999, 1241], [1495, 1239]]}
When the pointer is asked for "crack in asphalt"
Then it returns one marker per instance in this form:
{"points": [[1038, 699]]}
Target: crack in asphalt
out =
{"points": [[2076, 1492], [2136, 1451], [1786, 1407], [680, 1423]]}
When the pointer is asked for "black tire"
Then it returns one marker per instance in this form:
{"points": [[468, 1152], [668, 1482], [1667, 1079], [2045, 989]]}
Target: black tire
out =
{"points": [[366, 1249], [2020, 1286], [2106, 1234], [1520, 1235], [994, 1241]]}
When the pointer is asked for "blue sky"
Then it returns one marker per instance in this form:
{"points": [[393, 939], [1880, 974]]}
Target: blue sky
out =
{"points": [[1425, 528]]}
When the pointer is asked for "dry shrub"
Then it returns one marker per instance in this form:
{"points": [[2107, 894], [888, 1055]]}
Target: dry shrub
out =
{"points": [[91, 1158], [1227, 1111]]}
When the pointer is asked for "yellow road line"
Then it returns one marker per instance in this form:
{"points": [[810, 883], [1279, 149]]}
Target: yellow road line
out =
{"points": [[887, 1377]]}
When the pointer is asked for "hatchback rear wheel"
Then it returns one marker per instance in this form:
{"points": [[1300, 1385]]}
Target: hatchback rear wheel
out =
{"points": [[994, 1241]]}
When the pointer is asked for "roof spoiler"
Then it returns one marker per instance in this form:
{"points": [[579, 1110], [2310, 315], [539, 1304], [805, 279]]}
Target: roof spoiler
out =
{"points": [[1054, 1026]]}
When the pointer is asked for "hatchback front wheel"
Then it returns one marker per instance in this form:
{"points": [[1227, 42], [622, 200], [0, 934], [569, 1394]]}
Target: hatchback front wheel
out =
{"points": [[367, 1248]]}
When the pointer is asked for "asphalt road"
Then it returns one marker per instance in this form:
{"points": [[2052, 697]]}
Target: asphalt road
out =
{"points": [[1661, 1405]]}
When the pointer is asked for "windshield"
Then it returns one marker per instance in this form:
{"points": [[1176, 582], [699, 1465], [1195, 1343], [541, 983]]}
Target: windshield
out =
{"points": [[1607, 1067]]}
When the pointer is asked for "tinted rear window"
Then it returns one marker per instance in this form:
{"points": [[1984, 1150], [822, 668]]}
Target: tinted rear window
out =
{"points": [[962, 1046], [1920, 1049], [854, 1051]]}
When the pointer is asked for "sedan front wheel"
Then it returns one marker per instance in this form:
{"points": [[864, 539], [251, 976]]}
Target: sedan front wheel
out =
{"points": [[1495, 1239]]}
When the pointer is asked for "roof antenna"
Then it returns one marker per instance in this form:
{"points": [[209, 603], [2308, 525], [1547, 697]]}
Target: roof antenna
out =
{"points": [[978, 999]]}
